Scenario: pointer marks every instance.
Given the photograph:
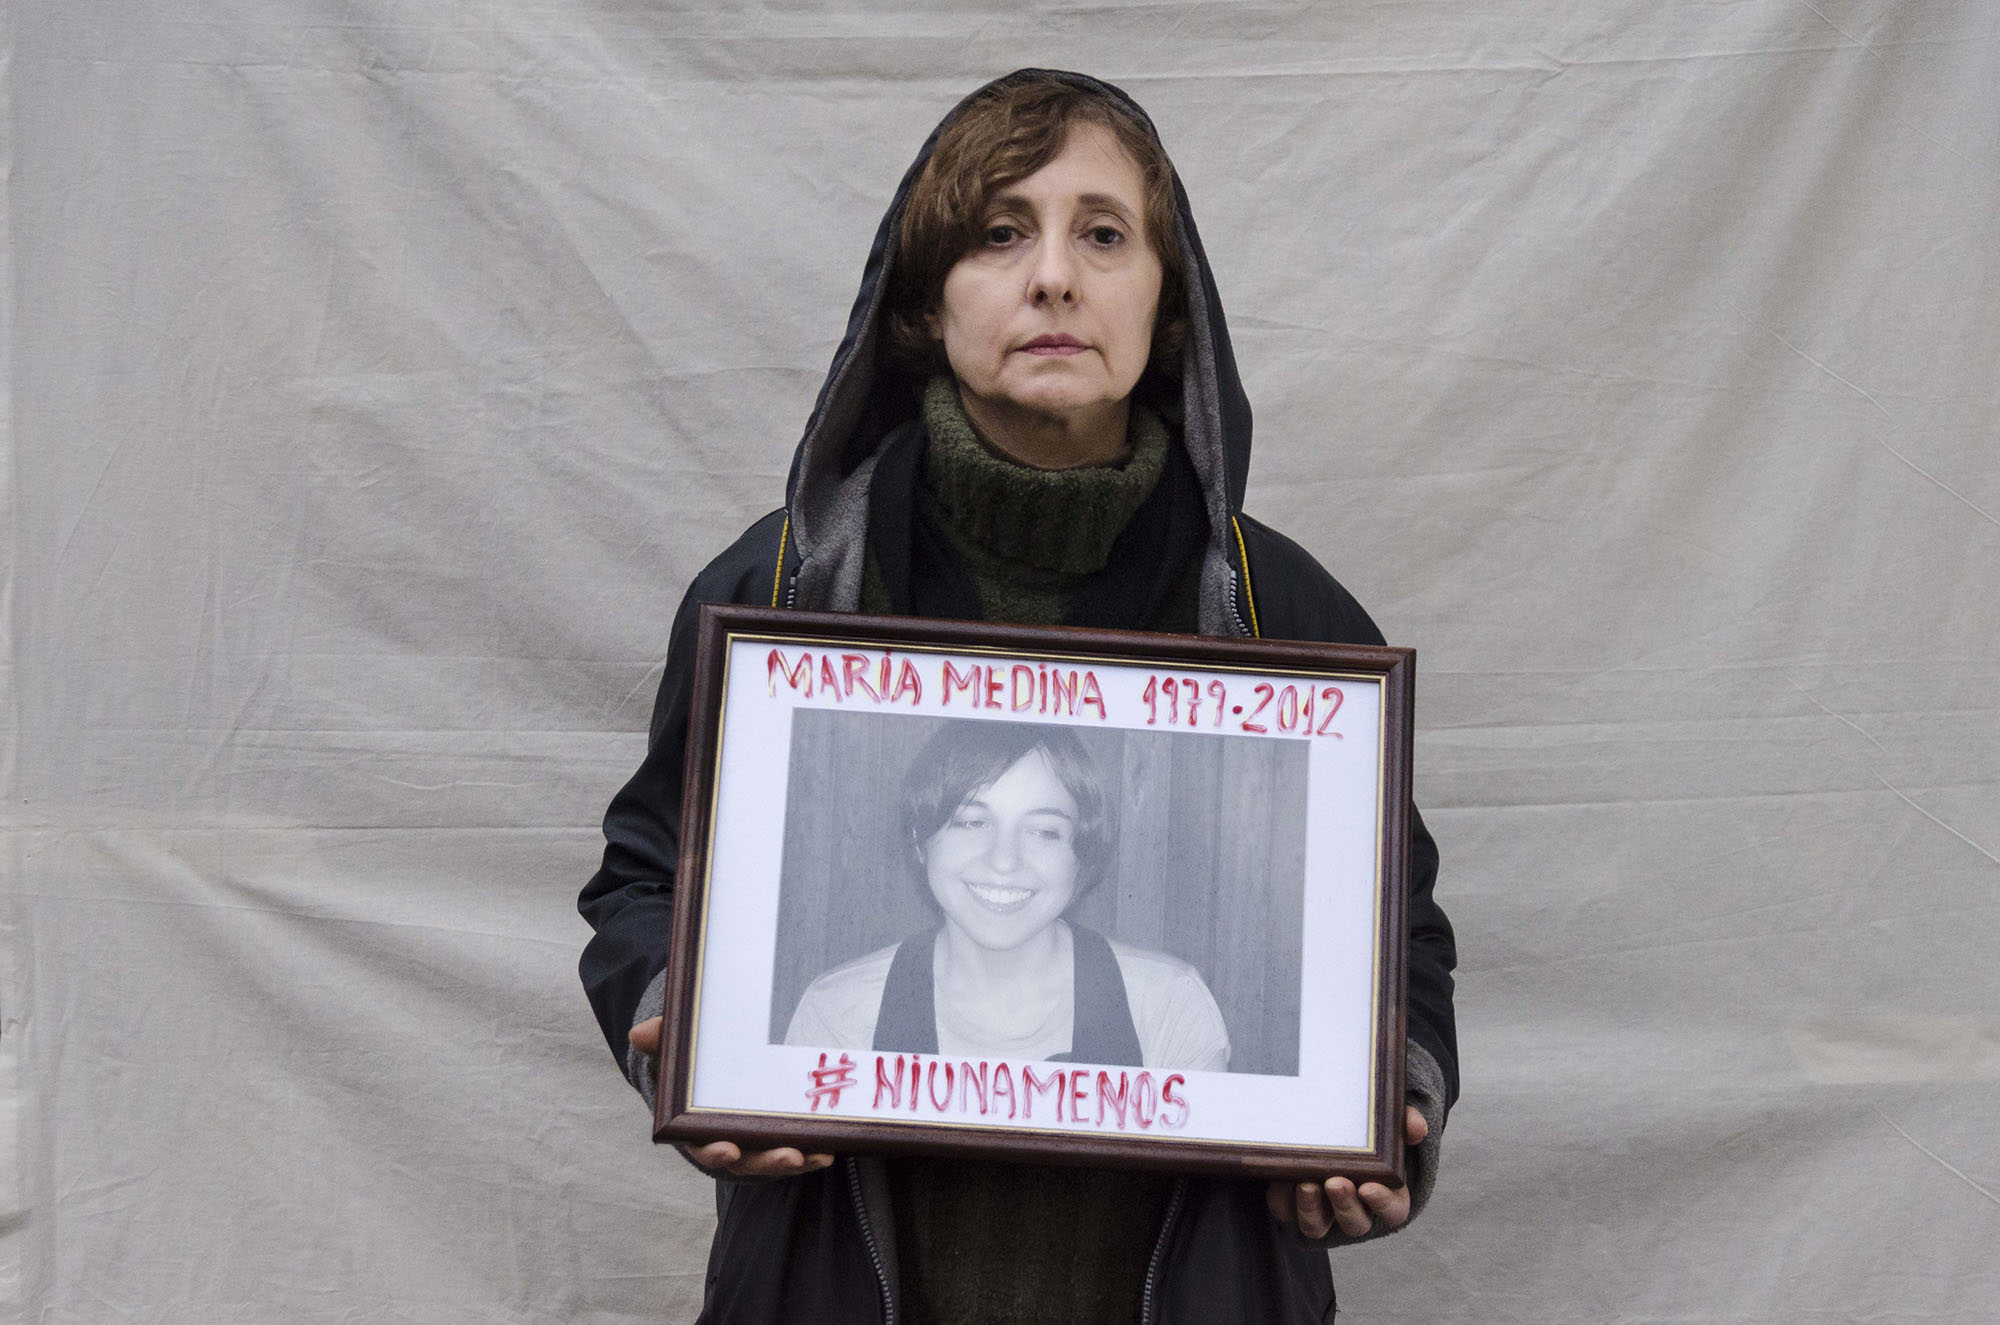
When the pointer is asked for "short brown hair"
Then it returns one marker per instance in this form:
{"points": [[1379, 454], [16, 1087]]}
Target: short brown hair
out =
{"points": [[1006, 134], [966, 755]]}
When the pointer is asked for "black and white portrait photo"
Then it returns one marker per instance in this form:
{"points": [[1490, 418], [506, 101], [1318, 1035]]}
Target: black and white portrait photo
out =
{"points": [[1040, 892]]}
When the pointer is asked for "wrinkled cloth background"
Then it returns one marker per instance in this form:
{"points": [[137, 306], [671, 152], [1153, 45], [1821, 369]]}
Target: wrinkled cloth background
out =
{"points": [[380, 371]]}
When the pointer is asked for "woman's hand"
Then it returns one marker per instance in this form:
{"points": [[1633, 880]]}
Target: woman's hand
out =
{"points": [[781, 1162], [645, 1037], [1317, 1207]]}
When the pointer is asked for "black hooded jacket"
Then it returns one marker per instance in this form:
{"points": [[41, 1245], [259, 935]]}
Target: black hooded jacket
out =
{"points": [[820, 1247]]}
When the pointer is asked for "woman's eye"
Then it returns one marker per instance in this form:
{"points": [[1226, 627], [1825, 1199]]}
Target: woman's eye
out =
{"points": [[967, 821], [1106, 236], [1001, 235]]}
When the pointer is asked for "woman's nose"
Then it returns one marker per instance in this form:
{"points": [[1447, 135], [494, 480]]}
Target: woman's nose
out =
{"points": [[1053, 278], [1003, 854]]}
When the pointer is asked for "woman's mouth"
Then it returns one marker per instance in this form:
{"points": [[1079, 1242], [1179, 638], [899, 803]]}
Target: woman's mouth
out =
{"points": [[1055, 345], [1002, 900]]}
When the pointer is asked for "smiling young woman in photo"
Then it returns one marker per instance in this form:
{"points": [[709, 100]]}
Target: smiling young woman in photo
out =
{"points": [[1034, 416], [1008, 826]]}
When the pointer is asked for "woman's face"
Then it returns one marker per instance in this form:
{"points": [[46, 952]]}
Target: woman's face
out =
{"points": [[1003, 867], [1052, 313]]}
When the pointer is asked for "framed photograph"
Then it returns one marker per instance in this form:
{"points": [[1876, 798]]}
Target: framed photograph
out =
{"points": [[1072, 896]]}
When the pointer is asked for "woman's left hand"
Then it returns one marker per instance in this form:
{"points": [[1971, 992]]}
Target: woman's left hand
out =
{"points": [[1316, 1207]]}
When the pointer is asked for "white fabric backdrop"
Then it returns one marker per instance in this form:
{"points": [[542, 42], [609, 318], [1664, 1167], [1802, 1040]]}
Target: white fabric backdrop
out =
{"points": [[380, 370]]}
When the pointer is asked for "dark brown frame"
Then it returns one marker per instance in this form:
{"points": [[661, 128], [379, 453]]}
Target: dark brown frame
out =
{"points": [[717, 625]]}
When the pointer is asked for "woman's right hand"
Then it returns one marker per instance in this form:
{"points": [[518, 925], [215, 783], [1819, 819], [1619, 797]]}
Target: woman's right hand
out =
{"points": [[780, 1162]]}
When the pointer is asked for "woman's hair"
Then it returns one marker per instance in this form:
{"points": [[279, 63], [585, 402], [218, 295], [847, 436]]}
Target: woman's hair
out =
{"points": [[1006, 134], [965, 756]]}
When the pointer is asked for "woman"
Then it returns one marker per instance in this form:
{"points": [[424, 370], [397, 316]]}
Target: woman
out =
{"points": [[1009, 825], [1034, 416]]}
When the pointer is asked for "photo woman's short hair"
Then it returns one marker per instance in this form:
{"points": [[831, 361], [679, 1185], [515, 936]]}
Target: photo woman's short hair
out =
{"points": [[966, 755], [1014, 129]]}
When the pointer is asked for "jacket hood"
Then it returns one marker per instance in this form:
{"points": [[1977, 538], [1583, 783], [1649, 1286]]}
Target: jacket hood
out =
{"points": [[865, 397]]}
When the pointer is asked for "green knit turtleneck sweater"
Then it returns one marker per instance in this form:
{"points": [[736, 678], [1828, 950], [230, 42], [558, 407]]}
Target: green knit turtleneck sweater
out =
{"points": [[1029, 538], [982, 1243]]}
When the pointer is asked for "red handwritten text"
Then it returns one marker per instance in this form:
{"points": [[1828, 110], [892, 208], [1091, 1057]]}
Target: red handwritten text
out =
{"points": [[882, 680], [828, 1082], [1023, 688], [1002, 1092], [1168, 698]]}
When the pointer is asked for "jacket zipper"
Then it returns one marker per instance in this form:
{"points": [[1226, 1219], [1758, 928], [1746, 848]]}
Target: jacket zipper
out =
{"points": [[853, 1168], [1148, 1306]]}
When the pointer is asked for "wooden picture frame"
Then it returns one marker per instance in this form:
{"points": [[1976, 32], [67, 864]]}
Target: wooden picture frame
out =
{"points": [[1250, 902]]}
